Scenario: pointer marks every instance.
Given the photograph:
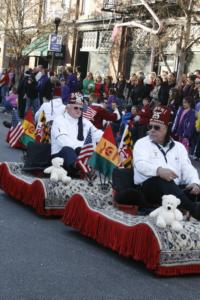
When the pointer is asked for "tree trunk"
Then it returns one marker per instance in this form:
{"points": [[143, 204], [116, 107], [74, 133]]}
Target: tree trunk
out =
{"points": [[181, 66]]}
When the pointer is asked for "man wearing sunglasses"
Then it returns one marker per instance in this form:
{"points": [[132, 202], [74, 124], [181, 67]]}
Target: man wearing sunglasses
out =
{"points": [[162, 165], [69, 132]]}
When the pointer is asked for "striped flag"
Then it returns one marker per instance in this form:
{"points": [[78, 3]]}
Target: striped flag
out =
{"points": [[16, 130], [42, 130], [85, 154], [89, 114], [126, 148]]}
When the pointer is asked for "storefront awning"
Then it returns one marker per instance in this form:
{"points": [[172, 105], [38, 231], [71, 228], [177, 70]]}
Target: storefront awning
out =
{"points": [[38, 47]]}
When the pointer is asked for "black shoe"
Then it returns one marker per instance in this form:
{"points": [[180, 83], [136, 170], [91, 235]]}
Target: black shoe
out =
{"points": [[7, 124]]}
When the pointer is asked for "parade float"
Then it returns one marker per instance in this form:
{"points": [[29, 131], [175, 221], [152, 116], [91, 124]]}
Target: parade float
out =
{"points": [[88, 206]]}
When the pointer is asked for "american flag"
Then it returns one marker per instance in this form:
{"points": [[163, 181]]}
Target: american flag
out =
{"points": [[89, 114], [16, 130], [85, 153]]}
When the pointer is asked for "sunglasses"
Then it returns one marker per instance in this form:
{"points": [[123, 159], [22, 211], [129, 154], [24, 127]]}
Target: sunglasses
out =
{"points": [[155, 127], [78, 108]]}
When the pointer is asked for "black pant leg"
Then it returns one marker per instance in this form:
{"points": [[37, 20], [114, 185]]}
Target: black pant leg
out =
{"points": [[155, 187]]}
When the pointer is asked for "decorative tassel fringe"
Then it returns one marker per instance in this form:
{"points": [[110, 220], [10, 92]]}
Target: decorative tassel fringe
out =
{"points": [[30, 194], [137, 242]]}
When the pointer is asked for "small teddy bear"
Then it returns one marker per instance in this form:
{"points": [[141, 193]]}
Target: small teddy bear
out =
{"points": [[57, 173], [168, 214]]}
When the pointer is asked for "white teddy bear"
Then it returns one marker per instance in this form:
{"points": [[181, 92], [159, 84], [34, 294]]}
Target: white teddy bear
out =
{"points": [[57, 172], [168, 214]]}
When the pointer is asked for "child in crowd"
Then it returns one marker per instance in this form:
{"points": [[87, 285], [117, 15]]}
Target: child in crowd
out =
{"points": [[11, 101], [184, 123]]}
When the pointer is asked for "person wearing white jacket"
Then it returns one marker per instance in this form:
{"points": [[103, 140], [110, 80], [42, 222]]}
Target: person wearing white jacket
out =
{"points": [[69, 132], [162, 165], [51, 109]]}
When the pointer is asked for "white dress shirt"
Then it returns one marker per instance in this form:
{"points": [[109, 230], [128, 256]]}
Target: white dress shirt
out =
{"points": [[148, 158], [64, 132]]}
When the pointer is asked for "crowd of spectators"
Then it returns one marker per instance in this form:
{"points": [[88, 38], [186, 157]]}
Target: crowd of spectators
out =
{"points": [[134, 98]]}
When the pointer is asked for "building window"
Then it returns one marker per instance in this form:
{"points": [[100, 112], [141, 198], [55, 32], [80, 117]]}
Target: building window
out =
{"points": [[89, 42], [85, 7]]}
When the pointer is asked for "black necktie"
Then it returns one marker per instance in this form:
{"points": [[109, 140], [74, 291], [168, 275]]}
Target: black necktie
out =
{"points": [[80, 136]]}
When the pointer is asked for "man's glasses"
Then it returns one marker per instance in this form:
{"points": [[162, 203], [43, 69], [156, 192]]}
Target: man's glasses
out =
{"points": [[155, 127], [78, 108]]}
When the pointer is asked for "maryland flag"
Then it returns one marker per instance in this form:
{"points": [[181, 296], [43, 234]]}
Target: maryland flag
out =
{"points": [[29, 128], [126, 149], [42, 130], [105, 157]]}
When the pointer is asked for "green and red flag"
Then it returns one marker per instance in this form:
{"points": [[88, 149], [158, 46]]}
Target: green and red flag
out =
{"points": [[29, 128], [105, 157]]}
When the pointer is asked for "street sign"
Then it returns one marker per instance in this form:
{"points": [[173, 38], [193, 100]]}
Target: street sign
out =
{"points": [[55, 42]]}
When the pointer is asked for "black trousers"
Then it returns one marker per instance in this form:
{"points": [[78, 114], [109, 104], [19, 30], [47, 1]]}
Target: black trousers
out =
{"points": [[70, 156], [155, 187]]}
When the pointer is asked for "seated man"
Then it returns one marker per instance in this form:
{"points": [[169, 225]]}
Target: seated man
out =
{"points": [[162, 165], [69, 132]]}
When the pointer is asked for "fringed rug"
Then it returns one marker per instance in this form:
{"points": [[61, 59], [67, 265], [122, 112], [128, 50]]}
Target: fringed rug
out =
{"points": [[164, 251], [46, 197]]}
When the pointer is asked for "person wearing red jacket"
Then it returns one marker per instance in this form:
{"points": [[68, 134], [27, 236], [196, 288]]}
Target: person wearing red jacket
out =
{"points": [[4, 82], [144, 114], [97, 113]]}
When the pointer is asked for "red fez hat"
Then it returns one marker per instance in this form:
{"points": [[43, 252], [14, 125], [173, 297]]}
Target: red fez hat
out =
{"points": [[76, 98], [161, 115]]}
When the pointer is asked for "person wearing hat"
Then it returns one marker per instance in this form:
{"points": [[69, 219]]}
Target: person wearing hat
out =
{"points": [[162, 165], [69, 132]]}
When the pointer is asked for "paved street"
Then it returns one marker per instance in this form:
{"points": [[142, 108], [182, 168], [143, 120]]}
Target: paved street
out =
{"points": [[43, 259]]}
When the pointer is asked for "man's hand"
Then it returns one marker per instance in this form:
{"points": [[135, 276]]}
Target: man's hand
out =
{"points": [[166, 174], [194, 188]]}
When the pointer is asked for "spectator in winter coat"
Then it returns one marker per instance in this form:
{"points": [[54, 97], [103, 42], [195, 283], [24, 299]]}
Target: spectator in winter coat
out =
{"points": [[173, 101], [65, 91], [184, 123], [145, 114], [140, 91], [188, 90], [4, 83], [160, 92], [171, 80], [131, 84], [11, 100], [119, 87], [31, 95], [71, 80], [41, 86]]}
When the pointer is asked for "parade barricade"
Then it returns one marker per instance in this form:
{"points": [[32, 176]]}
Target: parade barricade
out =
{"points": [[164, 251]]}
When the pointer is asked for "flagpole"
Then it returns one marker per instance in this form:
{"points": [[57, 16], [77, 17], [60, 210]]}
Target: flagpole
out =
{"points": [[121, 142]]}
